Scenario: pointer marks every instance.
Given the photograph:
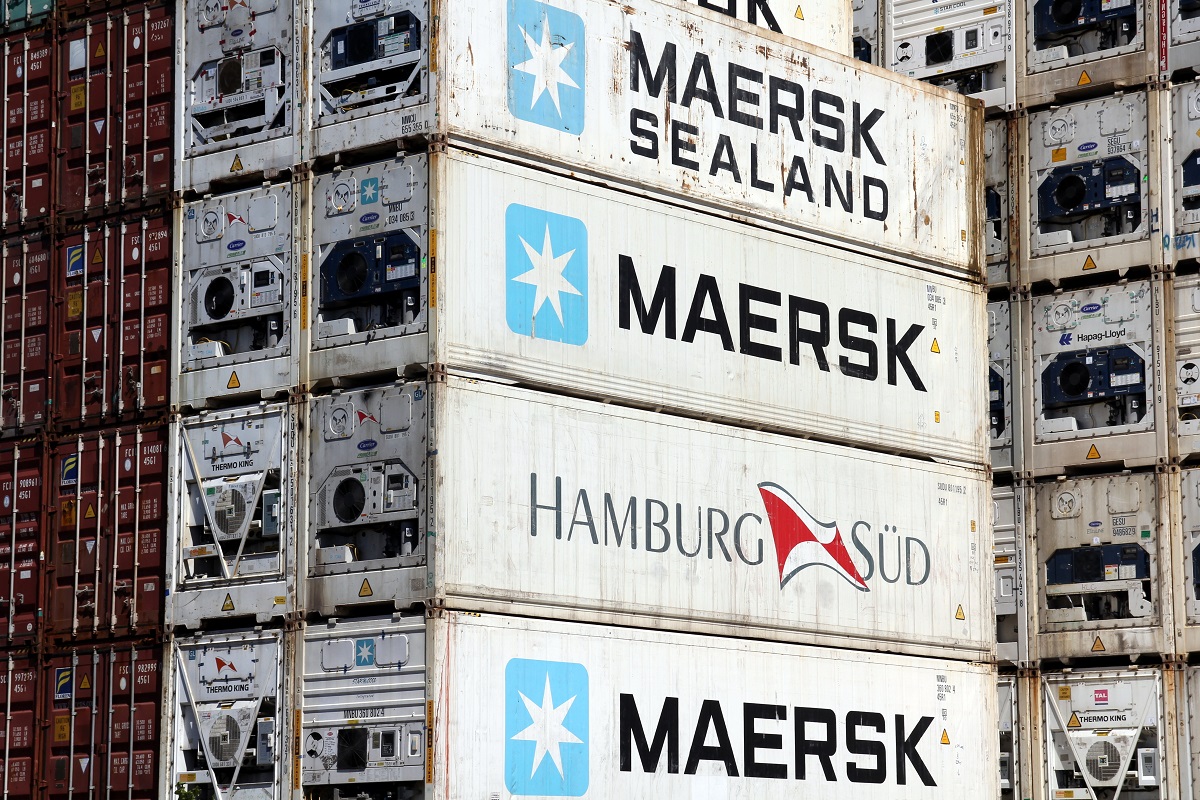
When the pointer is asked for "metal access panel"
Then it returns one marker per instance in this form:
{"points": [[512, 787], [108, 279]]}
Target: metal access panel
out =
{"points": [[25, 333], [1103, 734], [363, 708], [964, 46], [371, 287], [238, 297], [24, 520], [238, 89], [1089, 174], [367, 501], [1185, 162], [1010, 737], [19, 722], [29, 92], [232, 515], [866, 40], [997, 200], [1001, 395], [1009, 558], [227, 715], [1102, 565], [371, 80]]}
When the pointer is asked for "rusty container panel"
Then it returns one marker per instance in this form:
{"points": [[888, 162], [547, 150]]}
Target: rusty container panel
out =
{"points": [[24, 334], [101, 706], [115, 95], [28, 156], [23, 517], [105, 549], [112, 351], [18, 722]]}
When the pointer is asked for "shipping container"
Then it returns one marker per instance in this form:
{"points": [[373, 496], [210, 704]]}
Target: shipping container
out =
{"points": [[100, 715], [594, 292], [29, 146], [1095, 384], [232, 511], [1004, 399], [824, 25], [1010, 506], [1185, 167], [24, 507], [1184, 393], [1186, 505], [25, 359], [237, 86], [866, 40], [1010, 738], [964, 46], [775, 140], [111, 339], [1105, 735], [1092, 184], [237, 298], [1073, 48], [1104, 568], [116, 100], [104, 547], [1181, 54], [20, 722], [632, 517], [19, 14], [1189, 723], [998, 201], [226, 715]]}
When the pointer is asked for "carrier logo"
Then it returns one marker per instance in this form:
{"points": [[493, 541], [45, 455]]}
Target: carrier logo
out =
{"points": [[367, 444], [367, 219], [68, 473], [1091, 308], [546, 61], [64, 683], [235, 245], [546, 728], [802, 541], [1087, 147], [546, 268], [368, 192]]}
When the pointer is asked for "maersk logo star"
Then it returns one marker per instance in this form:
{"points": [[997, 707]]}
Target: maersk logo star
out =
{"points": [[369, 191], [546, 728], [547, 275], [364, 653], [546, 65]]}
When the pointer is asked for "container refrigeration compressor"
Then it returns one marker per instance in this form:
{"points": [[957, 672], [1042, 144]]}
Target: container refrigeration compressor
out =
{"points": [[1103, 566], [1104, 734], [1095, 378], [232, 516]]}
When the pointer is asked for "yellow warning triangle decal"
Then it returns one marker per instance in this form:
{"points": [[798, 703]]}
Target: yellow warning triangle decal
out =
{"points": [[959, 614], [365, 589], [84, 683], [799, 13], [237, 164], [97, 257], [1074, 721], [91, 512], [228, 604], [945, 737], [1097, 646], [234, 383], [935, 348], [1089, 263], [1084, 79], [1093, 454], [99, 49]]}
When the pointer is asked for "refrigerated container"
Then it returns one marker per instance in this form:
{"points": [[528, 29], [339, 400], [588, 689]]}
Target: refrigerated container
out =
{"points": [[1010, 507], [1004, 399], [24, 519], [998, 201], [29, 115], [1185, 169], [1184, 394], [866, 40], [1181, 54], [25, 361], [1010, 737]]}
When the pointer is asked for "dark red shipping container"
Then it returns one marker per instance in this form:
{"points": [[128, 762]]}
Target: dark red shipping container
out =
{"points": [[105, 553], [116, 94], [19, 722], [24, 520], [25, 355], [111, 340], [28, 128], [102, 705]]}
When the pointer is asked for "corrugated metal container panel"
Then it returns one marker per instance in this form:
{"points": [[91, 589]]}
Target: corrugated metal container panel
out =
{"points": [[25, 360], [105, 547], [101, 709], [28, 127], [769, 711], [655, 305], [116, 87], [24, 504], [112, 338], [817, 144], [20, 722]]}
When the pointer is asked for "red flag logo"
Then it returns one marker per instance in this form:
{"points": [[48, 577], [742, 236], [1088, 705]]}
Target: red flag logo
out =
{"points": [[232, 218], [801, 541], [364, 416], [226, 439], [222, 664]]}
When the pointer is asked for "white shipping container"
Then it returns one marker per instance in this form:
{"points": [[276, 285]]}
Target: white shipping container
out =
{"points": [[1010, 737], [666, 99], [593, 512], [579, 288]]}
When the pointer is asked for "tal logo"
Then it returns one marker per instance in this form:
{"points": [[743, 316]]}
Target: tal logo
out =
{"points": [[546, 269], [546, 62], [802, 541], [546, 728], [1101, 697]]}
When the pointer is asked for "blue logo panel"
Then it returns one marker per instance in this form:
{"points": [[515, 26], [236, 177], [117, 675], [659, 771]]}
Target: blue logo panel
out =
{"points": [[545, 728], [546, 64], [64, 679], [68, 473], [364, 653], [74, 260], [546, 275], [368, 191]]}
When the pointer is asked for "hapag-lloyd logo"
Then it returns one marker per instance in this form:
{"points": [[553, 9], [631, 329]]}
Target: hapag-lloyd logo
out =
{"points": [[801, 541]]}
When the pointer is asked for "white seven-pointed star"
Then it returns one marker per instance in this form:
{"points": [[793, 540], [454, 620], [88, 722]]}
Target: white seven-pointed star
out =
{"points": [[369, 193], [546, 275], [545, 65], [364, 651], [546, 730]]}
